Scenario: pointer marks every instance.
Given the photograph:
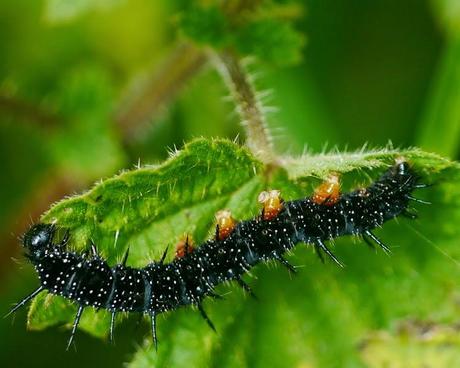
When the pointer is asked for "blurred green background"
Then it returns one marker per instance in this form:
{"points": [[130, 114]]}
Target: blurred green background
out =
{"points": [[73, 73]]}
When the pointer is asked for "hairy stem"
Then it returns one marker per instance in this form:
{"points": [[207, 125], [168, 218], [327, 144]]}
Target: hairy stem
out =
{"points": [[250, 109], [140, 107], [26, 111]]}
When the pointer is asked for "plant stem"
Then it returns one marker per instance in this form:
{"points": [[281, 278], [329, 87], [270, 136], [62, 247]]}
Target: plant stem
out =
{"points": [[258, 137], [26, 111], [140, 107]]}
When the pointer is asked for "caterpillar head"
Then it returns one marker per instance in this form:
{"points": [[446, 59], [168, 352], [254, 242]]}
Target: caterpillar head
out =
{"points": [[402, 167], [38, 238]]}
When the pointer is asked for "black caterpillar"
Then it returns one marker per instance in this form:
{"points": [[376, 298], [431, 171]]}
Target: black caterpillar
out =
{"points": [[89, 281]]}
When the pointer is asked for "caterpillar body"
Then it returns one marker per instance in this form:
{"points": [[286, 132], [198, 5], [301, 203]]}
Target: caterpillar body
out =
{"points": [[88, 280]]}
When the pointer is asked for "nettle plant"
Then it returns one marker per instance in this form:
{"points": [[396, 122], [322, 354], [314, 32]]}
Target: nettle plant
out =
{"points": [[263, 204]]}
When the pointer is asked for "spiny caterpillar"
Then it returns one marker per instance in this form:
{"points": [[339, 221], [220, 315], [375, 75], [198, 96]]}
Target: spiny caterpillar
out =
{"points": [[88, 280]]}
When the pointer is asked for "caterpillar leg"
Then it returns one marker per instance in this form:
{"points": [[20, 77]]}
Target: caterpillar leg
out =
{"points": [[217, 232], [215, 295], [153, 322], [318, 252], [125, 257], [422, 186], [417, 199], [378, 241], [369, 243], [64, 240], [285, 263], [409, 215], [188, 246], [246, 287], [320, 246], [25, 300], [165, 252], [93, 249], [112, 325], [75, 325], [205, 316]]}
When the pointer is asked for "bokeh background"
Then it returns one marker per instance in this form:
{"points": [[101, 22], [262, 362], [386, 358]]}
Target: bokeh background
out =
{"points": [[79, 101]]}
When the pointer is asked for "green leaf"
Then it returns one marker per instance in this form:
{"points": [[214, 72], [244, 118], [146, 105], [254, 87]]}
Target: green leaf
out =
{"points": [[321, 165], [257, 30], [205, 25], [273, 41], [322, 316]]}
